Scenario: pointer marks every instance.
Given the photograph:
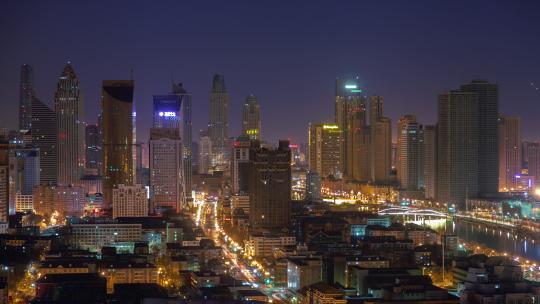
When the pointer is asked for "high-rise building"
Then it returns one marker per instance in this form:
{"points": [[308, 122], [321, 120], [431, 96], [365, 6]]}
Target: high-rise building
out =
{"points": [[44, 138], [409, 154], [218, 129], [94, 151], [358, 141], [324, 149], [205, 153], [270, 186], [240, 164], [381, 142], [488, 113], [5, 148], [187, 137], [68, 106], [130, 201], [531, 159], [117, 129], [251, 118], [457, 147], [351, 104], [430, 162], [313, 186], [166, 156], [24, 170], [26, 94], [509, 152]]}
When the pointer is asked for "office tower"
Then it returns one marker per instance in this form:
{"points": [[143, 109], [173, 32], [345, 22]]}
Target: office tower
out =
{"points": [[381, 142], [531, 159], [430, 162], [139, 170], [166, 156], [270, 186], [24, 170], [187, 137], [68, 106], [134, 144], [349, 99], [509, 130], [488, 114], [26, 94], [324, 149], [218, 130], [5, 148], [358, 141], [130, 201], [457, 147], [117, 129], [251, 118], [94, 151], [205, 153], [240, 164], [44, 138], [313, 186], [66, 200], [409, 154]]}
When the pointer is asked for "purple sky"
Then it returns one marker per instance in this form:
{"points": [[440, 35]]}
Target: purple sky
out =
{"points": [[288, 54]]}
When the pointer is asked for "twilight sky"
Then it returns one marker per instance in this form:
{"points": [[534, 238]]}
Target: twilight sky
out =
{"points": [[288, 53]]}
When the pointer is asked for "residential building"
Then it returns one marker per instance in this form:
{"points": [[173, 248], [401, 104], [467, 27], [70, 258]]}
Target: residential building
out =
{"points": [[509, 130], [130, 201]]}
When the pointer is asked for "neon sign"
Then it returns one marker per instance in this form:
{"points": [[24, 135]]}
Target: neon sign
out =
{"points": [[167, 114]]}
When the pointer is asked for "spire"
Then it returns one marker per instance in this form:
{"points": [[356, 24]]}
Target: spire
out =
{"points": [[68, 71]]}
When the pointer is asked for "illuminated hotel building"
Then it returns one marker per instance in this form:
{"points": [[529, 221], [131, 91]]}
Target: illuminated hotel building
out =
{"points": [[324, 149], [251, 118], [166, 157], [117, 108], [509, 129], [68, 106], [218, 129]]}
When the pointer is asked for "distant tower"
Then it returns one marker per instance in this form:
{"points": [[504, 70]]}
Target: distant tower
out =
{"points": [[509, 152], [205, 153], [187, 136], [68, 106], [240, 164], [313, 186], [531, 159], [430, 162], [117, 108], [324, 149], [26, 93], [380, 142], [94, 152], [44, 137], [457, 147], [251, 118], [219, 121], [409, 158]]}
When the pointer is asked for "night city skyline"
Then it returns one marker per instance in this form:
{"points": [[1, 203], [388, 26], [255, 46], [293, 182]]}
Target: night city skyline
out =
{"points": [[290, 63]]}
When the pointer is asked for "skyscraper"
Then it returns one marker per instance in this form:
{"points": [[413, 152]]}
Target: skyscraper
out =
{"points": [[251, 118], [430, 162], [44, 137], [409, 154], [531, 159], [117, 108], [324, 149], [240, 164], [313, 186], [5, 148], [270, 186], [166, 156], [68, 106], [94, 151], [205, 153], [457, 142], [381, 142], [187, 137], [350, 102], [218, 128], [358, 141], [26, 94], [488, 113], [509, 130]]}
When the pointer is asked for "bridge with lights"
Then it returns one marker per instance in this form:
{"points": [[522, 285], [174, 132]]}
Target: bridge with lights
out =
{"points": [[405, 211]]}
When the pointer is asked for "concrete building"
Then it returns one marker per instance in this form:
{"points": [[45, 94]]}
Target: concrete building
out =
{"points": [[94, 152], [262, 245], [186, 136], [302, 272], [69, 109], [457, 152], [66, 200], [531, 159], [251, 118], [324, 149], [240, 201], [509, 130], [44, 138], [218, 129], [409, 154], [130, 201], [93, 236], [430, 161], [117, 127], [270, 186], [205, 153], [240, 164], [313, 186], [24, 202], [26, 95]]}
